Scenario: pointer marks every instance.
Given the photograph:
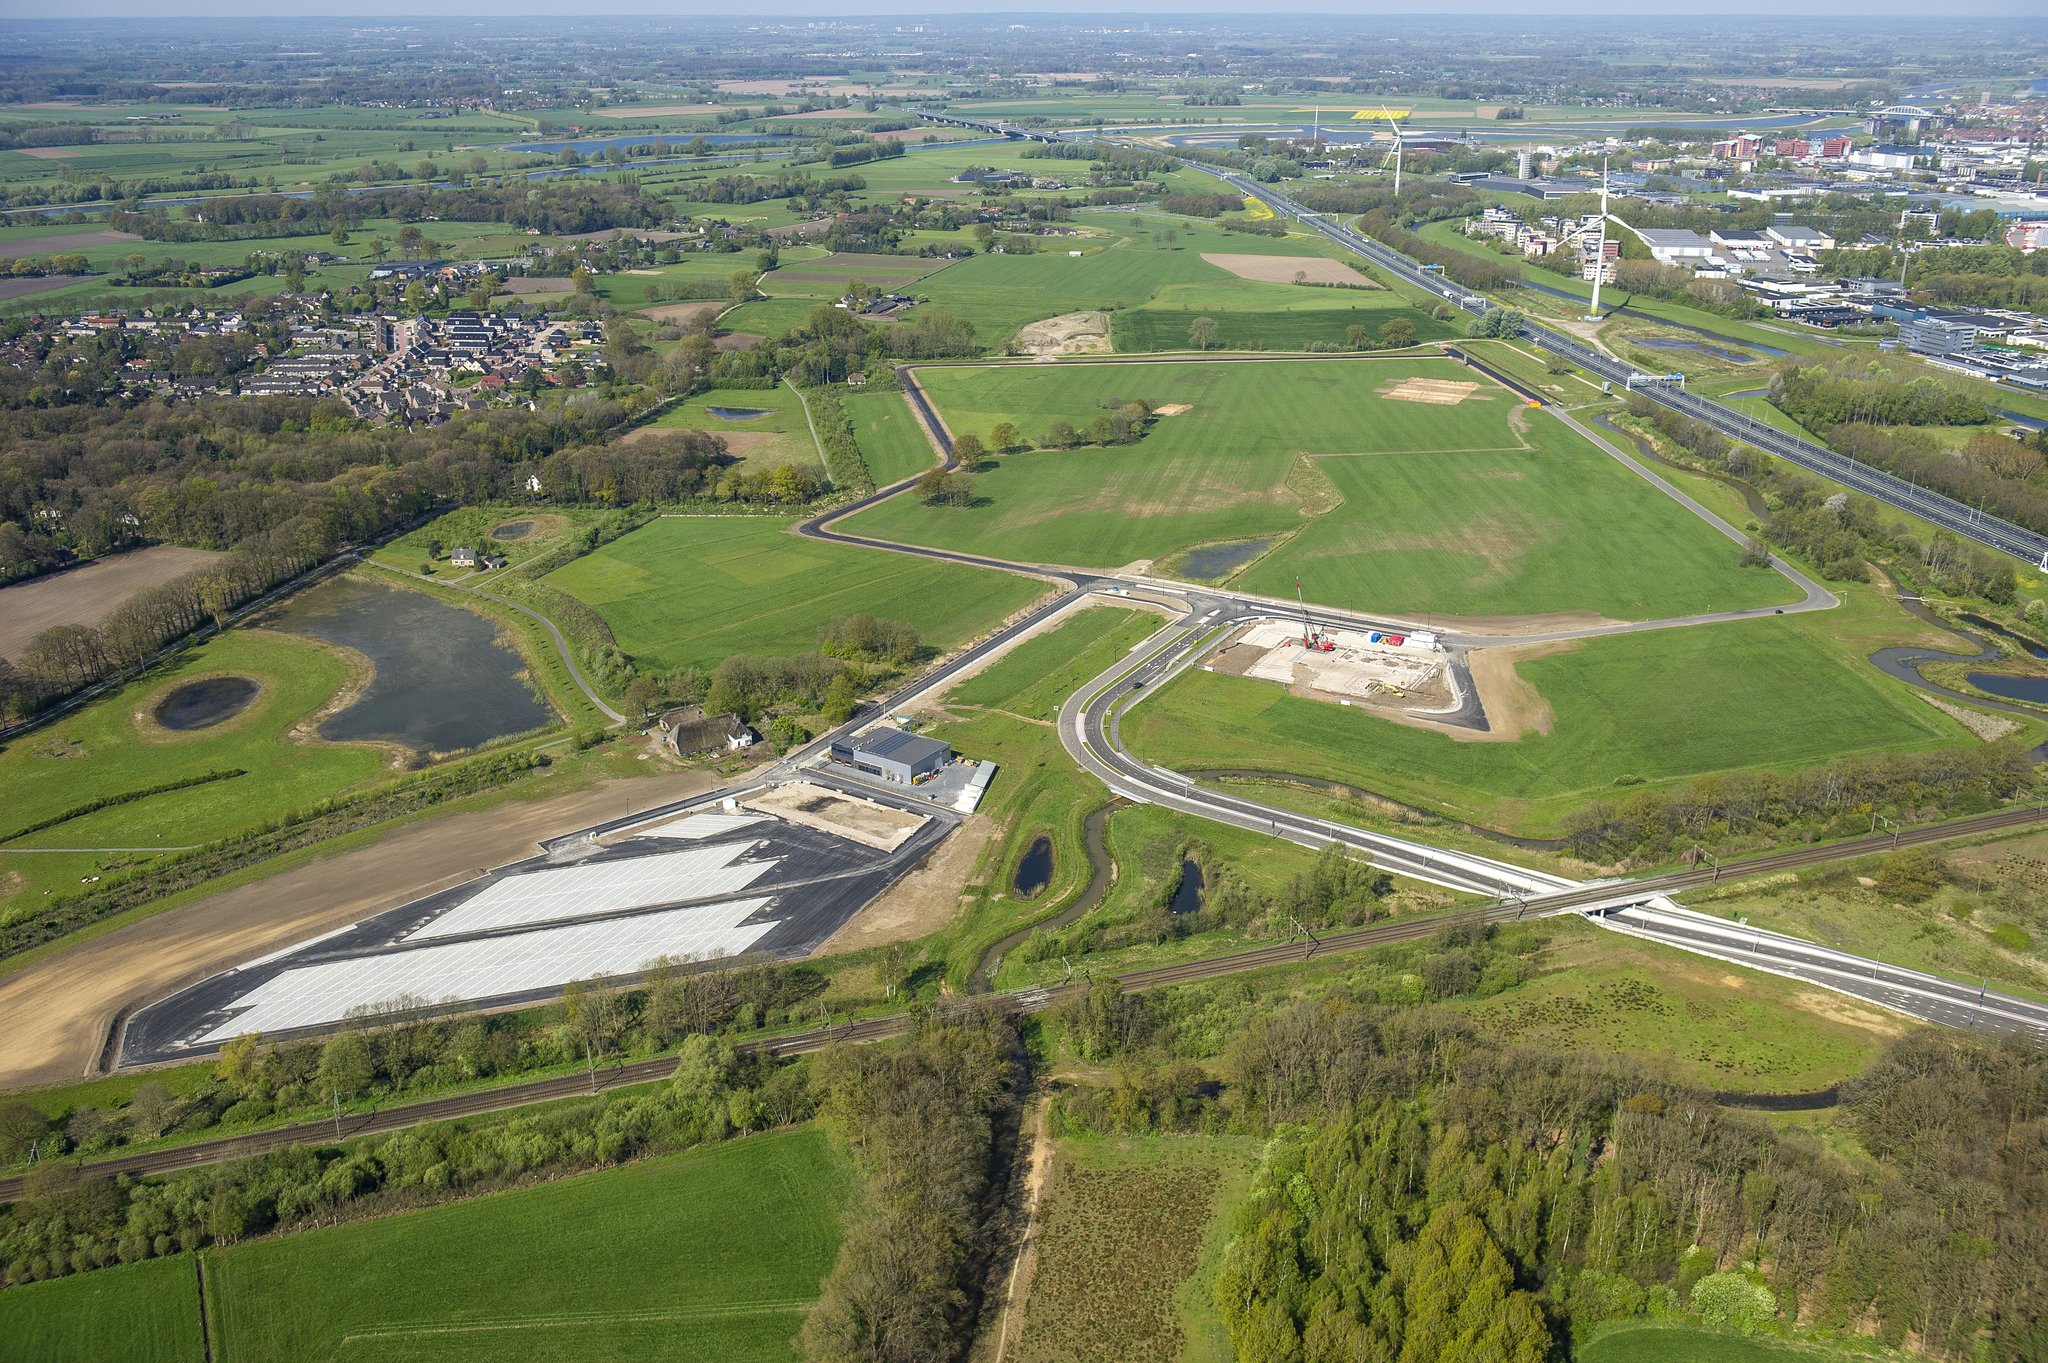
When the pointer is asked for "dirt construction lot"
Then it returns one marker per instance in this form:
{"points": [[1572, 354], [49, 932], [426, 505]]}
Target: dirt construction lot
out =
{"points": [[88, 595], [55, 1014], [1283, 269]]}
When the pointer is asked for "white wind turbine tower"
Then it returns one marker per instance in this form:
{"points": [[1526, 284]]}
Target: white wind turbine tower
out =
{"points": [[1600, 250], [1391, 123]]}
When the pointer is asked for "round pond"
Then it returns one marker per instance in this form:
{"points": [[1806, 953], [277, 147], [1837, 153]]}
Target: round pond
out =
{"points": [[205, 703]]}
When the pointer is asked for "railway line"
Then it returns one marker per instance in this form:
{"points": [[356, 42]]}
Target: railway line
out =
{"points": [[1022, 1002]]}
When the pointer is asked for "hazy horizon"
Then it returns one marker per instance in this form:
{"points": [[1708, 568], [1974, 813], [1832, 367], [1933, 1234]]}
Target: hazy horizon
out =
{"points": [[885, 9]]}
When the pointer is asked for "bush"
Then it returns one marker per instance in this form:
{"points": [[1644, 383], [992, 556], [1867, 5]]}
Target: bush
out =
{"points": [[1731, 1301]]}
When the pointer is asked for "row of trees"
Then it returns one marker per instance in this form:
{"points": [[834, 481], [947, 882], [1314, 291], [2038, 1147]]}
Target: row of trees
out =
{"points": [[1837, 532], [1822, 395], [921, 1120]]}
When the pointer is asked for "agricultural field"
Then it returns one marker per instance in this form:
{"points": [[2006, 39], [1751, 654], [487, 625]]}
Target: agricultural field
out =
{"points": [[1130, 261], [1623, 711], [687, 591], [892, 443], [137, 1313], [761, 427], [1133, 1232], [633, 1262], [88, 594], [1718, 1026], [115, 747], [1377, 500]]}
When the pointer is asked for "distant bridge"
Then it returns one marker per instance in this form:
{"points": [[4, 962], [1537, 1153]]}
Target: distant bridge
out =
{"points": [[987, 125]]}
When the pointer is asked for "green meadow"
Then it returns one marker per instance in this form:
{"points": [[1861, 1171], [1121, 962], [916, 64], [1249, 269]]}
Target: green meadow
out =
{"points": [[1379, 503], [691, 590], [1629, 710]]}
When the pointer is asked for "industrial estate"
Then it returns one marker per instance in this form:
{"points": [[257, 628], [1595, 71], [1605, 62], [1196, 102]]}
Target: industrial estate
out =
{"points": [[1024, 689]]}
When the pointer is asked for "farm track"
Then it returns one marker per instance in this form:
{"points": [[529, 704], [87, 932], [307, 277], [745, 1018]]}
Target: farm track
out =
{"points": [[1022, 1002]]}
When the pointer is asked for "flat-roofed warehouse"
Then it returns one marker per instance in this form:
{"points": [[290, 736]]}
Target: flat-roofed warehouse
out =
{"points": [[892, 754]]}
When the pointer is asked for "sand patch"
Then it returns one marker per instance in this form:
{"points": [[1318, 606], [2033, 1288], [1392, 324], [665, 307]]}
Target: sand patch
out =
{"points": [[88, 594], [1173, 409], [49, 153], [921, 902], [867, 822], [1437, 392], [1841, 1008], [1521, 624], [1514, 708], [1071, 333], [661, 111], [1288, 269], [683, 312], [739, 444], [736, 340]]}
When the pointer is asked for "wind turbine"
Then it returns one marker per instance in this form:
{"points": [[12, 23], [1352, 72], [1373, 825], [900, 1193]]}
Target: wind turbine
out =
{"points": [[1392, 123], [1600, 250]]}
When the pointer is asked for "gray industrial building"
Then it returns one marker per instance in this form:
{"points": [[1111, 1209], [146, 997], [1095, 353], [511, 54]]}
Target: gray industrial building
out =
{"points": [[892, 755]]}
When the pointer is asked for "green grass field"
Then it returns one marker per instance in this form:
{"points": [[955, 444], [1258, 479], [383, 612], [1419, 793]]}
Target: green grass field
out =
{"points": [[715, 1253], [1035, 678], [779, 436], [1629, 709], [891, 441], [690, 590], [1700, 1021], [1480, 507], [114, 746], [137, 1313]]}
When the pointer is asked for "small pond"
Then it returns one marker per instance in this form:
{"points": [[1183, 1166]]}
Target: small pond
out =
{"points": [[737, 413], [512, 530], [1214, 562], [1674, 343], [443, 682], [203, 704], [1034, 873], [1193, 890], [2033, 689]]}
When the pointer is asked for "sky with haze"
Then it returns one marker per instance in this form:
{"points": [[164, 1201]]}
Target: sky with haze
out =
{"points": [[370, 9]]}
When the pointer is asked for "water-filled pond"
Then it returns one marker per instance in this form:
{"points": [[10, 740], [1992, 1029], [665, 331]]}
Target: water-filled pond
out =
{"points": [[737, 413], [443, 681], [1193, 891], [2033, 689], [2032, 649], [1214, 562], [1034, 872], [205, 703]]}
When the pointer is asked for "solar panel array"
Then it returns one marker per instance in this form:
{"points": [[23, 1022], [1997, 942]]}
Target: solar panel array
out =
{"points": [[602, 887], [698, 826], [492, 967]]}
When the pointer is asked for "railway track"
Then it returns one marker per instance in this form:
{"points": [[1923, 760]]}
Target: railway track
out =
{"points": [[1018, 1003]]}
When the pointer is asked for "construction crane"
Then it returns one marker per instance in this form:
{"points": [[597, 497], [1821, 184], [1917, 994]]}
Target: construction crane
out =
{"points": [[1312, 638]]}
